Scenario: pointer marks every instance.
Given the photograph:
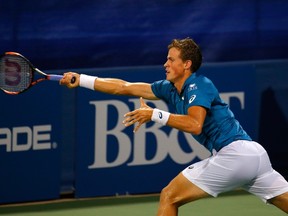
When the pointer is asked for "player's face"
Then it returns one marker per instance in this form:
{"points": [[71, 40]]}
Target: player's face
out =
{"points": [[174, 66]]}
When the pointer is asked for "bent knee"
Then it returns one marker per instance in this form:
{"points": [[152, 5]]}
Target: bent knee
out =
{"points": [[280, 201], [169, 196]]}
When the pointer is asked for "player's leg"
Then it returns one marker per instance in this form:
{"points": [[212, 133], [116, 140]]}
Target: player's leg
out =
{"points": [[281, 202], [218, 173], [178, 192]]}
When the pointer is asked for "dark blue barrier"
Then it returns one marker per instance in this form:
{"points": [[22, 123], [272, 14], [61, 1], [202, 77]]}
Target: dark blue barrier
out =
{"points": [[55, 140], [30, 144], [272, 95]]}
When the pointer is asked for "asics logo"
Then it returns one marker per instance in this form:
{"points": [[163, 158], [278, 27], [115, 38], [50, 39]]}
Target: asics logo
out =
{"points": [[192, 98]]}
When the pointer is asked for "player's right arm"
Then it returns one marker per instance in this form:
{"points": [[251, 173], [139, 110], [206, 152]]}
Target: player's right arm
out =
{"points": [[112, 86]]}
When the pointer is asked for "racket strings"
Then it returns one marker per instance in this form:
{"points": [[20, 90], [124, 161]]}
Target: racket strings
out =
{"points": [[16, 74]]}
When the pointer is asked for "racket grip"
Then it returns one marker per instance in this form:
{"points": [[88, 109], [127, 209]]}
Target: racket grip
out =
{"points": [[55, 77]]}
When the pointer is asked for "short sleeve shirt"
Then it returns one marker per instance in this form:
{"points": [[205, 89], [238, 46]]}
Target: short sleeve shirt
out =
{"points": [[220, 126]]}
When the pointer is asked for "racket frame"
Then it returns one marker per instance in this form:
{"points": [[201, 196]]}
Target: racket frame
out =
{"points": [[52, 77]]}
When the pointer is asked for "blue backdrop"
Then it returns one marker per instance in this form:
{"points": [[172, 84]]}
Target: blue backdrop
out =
{"points": [[76, 34]]}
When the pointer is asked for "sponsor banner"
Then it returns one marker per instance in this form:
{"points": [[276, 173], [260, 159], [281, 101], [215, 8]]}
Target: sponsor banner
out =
{"points": [[111, 159], [29, 144], [38, 130]]}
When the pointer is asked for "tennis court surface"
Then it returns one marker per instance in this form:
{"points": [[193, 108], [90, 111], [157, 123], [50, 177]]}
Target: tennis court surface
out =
{"points": [[229, 204]]}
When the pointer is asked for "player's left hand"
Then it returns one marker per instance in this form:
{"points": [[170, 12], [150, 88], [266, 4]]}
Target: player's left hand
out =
{"points": [[140, 115]]}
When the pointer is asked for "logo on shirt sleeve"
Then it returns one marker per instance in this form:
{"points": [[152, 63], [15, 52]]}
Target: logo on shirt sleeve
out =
{"points": [[192, 87], [192, 98]]}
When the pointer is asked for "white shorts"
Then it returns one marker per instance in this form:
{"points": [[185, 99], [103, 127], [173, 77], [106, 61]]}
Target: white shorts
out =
{"points": [[241, 164]]}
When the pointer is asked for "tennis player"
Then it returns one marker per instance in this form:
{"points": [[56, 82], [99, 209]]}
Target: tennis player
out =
{"points": [[236, 161]]}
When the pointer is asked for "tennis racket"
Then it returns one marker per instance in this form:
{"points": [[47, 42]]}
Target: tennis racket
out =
{"points": [[17, 74]]}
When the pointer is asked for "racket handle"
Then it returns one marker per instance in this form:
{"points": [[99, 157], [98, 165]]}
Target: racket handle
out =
{"points": [[54, 77]]}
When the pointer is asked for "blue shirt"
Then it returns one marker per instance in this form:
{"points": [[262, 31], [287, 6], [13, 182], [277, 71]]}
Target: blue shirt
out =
{"points": [[220, 126]]}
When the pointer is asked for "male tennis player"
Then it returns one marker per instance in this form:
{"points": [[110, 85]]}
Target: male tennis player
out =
{"points": [[236, 161]]}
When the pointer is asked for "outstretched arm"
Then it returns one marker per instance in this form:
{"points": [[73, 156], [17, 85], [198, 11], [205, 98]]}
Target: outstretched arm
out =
{"points": [[110, 85]]}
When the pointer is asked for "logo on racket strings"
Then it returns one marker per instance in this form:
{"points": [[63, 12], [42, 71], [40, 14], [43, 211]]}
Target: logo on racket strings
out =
{"points": [[12, 73]]}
